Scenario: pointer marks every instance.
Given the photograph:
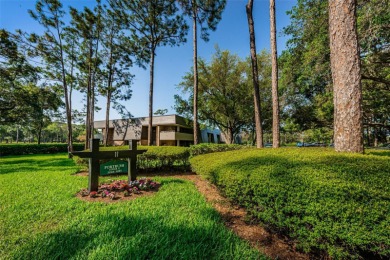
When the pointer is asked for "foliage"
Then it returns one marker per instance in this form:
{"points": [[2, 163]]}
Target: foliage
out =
{"points": [[168, 157], [225, 95], [160, 112], [163, 158], [21, 100], [207, 14], [155, 158], [48, 221], [21, 149], [212, 148], [151, 24], [329, 202], [51, 47], [307, 88]]}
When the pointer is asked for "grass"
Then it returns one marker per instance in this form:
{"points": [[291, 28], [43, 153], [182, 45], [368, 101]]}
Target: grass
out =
{"points": [[329, 202], [40, 218]]}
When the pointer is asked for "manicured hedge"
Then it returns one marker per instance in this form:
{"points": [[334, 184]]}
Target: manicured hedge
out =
{"points": [[212, 148], [155, 158], [163, 158], [21, 149], [331, 203], [168, 158]]}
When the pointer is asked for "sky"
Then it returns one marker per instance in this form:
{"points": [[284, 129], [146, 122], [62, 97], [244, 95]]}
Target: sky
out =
{"points": [[171, 63]]}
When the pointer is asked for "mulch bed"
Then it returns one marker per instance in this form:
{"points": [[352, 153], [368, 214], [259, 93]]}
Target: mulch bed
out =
{"points": [[119, 196]]}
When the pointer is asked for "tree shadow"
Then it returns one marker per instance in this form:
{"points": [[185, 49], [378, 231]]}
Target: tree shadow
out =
{"points": [[138, 236], [33, 165]]}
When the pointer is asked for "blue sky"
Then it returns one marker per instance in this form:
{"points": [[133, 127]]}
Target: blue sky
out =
{"points": [[171, 62]]}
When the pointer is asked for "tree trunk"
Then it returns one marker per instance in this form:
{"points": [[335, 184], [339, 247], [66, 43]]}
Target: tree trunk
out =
{"points": [[93, 84], [66, 97], [17, 134], [256, 93], [89, 100], [109, 90], [107, 117], [275, 97], [70, 104], [150, 129], [229, 136], [39, 135], [345, 65], [195, 45], [92, 109], [87, 118], [375, 136], [368, 135], [106, 129]]}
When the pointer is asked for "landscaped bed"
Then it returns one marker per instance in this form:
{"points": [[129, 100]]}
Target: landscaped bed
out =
{"points": [[40, 218], [329, 203]]}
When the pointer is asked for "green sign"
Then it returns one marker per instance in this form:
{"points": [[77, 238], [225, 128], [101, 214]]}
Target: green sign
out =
{"points": [[113, 167]]}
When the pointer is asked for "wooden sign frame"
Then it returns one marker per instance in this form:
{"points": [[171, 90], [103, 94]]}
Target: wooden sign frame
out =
{"points": [[95, 155]]}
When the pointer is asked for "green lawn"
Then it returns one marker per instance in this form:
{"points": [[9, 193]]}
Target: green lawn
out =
{"points": [[40, 218], [330, 202]]}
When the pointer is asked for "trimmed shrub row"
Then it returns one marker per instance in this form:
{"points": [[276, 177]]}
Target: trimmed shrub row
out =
{"points": [[330, 203], [21, 149], [163, 158], [167, 158], [212, 148], [155, 158]]}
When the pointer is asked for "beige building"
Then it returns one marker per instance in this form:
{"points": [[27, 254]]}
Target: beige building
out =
{"points": [[170, 130]]}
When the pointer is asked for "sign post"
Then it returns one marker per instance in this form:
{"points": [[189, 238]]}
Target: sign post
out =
{"points": [[95, 155]]}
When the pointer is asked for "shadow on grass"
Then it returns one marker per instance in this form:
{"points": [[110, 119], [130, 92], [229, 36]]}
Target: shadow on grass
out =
{"points": [[379, 152], [138, 237], [173, 180], [34, 165]]}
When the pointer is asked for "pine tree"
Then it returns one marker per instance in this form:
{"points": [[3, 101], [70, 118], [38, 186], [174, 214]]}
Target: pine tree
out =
{"points": [[345, 66], [256, 93], [88, 26], [201, 12], [50, 46], [152, 24], [275, 97]]}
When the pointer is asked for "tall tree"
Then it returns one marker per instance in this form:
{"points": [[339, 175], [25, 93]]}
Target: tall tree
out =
{"points": [[307, 88], [201, 12], [88, 26], [15, 74], [275, 96], [152, 23], [255, 77], [345, 66], [50, 46], [223, 93], [116, 61], [46, 101]]}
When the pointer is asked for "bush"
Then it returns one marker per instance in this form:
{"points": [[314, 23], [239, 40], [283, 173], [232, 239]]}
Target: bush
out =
{"points": [[155, 158], [167, 158], [163, 158], [211, 148], [332, 203], [21, 149]]}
